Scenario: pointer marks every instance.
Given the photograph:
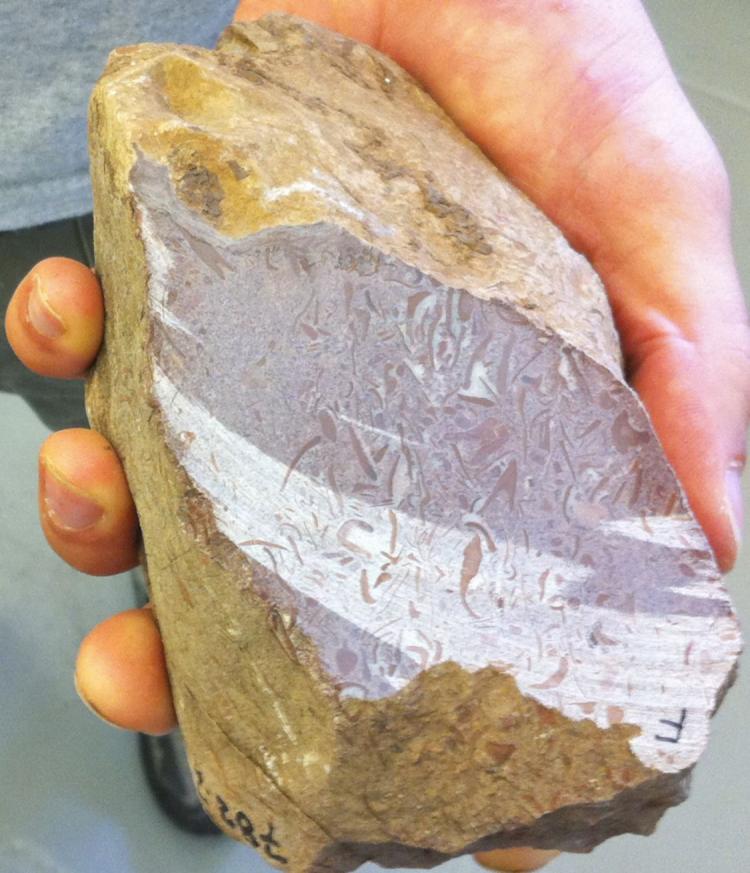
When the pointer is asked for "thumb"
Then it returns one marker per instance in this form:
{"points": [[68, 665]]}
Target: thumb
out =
{"points": [[683, 323], [695, 384]]}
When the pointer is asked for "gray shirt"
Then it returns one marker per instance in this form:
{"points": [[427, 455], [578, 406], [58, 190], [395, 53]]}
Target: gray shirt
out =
{"points": [[51, 53]]}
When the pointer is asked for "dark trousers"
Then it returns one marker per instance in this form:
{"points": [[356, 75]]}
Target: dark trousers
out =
{"points": [[58, 402]]}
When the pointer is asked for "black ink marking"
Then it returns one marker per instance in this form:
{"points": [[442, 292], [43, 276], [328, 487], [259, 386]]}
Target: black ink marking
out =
{"points": [[677, 725], [247, 829], [223, 810], [242, 821], [199, 787], [269, 841]]}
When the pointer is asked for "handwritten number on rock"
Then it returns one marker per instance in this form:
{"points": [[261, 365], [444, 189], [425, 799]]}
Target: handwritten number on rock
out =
{"points": [[199, 787], [269, 841], [247, 829], [223, 810], [242, 821]]}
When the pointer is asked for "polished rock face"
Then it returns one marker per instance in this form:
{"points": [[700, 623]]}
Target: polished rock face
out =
{"points": [[420, 476], [392, 434]]}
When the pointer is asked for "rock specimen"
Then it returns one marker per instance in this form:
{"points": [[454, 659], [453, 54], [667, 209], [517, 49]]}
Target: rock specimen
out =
{"points": [[426, 581]]}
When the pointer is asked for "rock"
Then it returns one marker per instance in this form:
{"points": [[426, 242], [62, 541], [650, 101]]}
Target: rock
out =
{"points": [[426, 581]]}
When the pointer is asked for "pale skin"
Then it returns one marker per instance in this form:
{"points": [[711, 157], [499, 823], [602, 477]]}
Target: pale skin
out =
{"points": [[575, 101]]}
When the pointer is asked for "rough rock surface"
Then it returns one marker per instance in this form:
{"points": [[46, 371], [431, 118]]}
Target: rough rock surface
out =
{"points": [[426, 581]]}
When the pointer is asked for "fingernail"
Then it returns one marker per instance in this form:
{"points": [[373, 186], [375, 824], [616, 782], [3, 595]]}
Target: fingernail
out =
{"points": [[65, 507], [733, 479], [42, 316]]}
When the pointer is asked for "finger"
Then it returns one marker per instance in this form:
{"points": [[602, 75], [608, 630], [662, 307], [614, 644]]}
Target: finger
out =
{"points": [[679, 307], [697, 391], [515, 860], [86, 509], [55, 320], [121, 673]]}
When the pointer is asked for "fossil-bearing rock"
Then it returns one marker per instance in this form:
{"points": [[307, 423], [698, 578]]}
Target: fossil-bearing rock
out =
{"points": [[426, 581]]}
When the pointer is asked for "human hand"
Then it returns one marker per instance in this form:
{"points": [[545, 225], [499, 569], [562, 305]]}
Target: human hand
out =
{"points": [[605, 143]]}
